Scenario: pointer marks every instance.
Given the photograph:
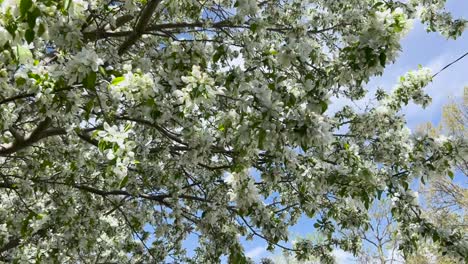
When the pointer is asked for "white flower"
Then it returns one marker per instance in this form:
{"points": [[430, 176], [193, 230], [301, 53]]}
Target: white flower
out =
{"points": [[440, 140], [11, 5], [381, 109], [120, 170], [110, 154], [80, 64], [4, 36]]}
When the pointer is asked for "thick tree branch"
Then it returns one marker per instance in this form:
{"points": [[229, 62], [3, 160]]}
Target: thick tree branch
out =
{"points": [[40, 132], [120, 21], [16, 241], [16, 97], [140, 27], [158, 198], [12, 243], [27, 95], [88, 139], [132, 36], [6, 185], [228, 24]]}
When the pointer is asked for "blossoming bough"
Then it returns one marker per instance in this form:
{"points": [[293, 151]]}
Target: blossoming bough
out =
{"points": [[128, 125]]}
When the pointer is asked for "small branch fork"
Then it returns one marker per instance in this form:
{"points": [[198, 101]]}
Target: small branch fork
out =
{"points": [[42, 130], [142, 23]]}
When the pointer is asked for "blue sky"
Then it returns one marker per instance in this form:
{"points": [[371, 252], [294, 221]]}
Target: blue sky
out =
{"points": [[418, 48]]}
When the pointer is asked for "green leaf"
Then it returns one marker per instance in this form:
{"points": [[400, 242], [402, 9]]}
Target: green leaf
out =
{"points": [[261, 138], [376, 5], [25, 223], [123, 182], [254, 27], [450, 174], [216, 57], [379, 194], [25, 5], [220, 51], [128, 126], [324, 106], [370, 57], [310, 214], [236, 255], [273, 52], [117, 80], [102, 70], [431, 166], [405, 185], [90, 80], [41, 30], [29, 35], [23, 54], [11, 27], [20, 81], [88, 108], [32, 16], [383, 59], [102, 145], [66, 4]]}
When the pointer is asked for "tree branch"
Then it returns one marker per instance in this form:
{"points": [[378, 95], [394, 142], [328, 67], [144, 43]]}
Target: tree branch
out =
{"points": [[140, 27], [38, 133], [41, 131], [16, 97], [162, 130]]}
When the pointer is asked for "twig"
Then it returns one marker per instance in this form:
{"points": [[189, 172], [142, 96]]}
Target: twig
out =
{"points": [[450, 64]]}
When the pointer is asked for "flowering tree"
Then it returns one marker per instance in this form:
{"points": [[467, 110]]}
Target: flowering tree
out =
{"points": [[128, 125]]}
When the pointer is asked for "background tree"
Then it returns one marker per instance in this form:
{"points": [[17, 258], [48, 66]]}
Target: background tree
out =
{"points": [[446, 201], [286, 257], [126, 127], [380, 243], [455, 120], [453, 124]]}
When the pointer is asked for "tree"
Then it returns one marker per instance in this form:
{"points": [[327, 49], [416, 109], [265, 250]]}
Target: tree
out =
{"points": [[455, 119], [446, 202], [380, 237], [446, 207], [453, 124], [126, 126], [286, 257]]}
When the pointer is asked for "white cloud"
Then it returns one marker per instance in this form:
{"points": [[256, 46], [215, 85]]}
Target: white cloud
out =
{"points": [[256, 252], [343, 257], [445, 86]]}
